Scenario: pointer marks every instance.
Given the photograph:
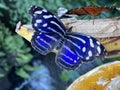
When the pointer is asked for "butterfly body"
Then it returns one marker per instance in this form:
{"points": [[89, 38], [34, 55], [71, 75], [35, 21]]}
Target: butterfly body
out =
{"points": [[73, 48]]}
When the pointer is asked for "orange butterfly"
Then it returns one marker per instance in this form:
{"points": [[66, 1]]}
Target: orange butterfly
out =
{"points": [[88, 10]]}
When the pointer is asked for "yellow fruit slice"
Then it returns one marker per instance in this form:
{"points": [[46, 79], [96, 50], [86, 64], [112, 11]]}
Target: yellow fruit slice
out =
{"points": [[24, 31], [105, 77]]}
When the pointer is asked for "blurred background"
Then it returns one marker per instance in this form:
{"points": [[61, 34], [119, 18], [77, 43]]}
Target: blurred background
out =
{"points": [[22, 68]]}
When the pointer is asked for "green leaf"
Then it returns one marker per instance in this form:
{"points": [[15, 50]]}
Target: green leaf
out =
{"points": [[7, 67], [69, 75], [22, 58], [2, 54], [1, 75], [1, 14], [22, 73], [22, 61], [28, 68], [2, 6], [65, 75]]}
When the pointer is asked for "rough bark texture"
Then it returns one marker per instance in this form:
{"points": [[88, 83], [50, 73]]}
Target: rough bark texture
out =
{"points": [[101, 28]]}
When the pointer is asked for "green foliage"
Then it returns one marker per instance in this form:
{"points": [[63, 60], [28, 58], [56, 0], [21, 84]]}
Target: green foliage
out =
{"points": [[1, 75], [13, 11], [69, 75], [28, 67], [13, 51], [22, 73]]}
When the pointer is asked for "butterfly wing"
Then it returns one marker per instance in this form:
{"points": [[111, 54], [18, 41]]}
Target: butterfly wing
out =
{"points": [[45, 22], [67, 58], [44, 42], [76, 48], [48, 30], [79, 48]]}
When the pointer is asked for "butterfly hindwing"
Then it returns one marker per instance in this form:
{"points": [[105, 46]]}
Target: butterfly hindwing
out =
{"points": [[87, 47], [79, 48], [67, 58], [44, 43]]}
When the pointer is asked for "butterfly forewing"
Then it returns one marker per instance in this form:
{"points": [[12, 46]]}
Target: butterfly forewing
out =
{"points": [[45, 22], [79, 48]]}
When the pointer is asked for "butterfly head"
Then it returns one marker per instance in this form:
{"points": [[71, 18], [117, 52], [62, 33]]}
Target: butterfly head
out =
{"points": [[35, 10]]}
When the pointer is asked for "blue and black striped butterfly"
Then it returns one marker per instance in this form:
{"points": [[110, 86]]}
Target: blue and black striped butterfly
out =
{"points": [[73, 48]]}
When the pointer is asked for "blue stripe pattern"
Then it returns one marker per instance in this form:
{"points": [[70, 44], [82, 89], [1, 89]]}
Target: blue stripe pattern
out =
{"points": [[44, 43], [73, 48]]}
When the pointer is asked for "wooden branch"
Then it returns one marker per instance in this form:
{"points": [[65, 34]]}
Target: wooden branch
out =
{"points": [[100, 29], [107, 31]]}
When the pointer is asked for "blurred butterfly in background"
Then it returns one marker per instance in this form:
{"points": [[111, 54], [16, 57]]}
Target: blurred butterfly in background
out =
{"points": [[88, 10], [73, 48]]}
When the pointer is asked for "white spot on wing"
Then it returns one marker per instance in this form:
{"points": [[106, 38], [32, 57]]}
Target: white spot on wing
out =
{"points": [[44, 10], [91, 43], [98, 42], [45, 25], [90, 53], [87, 58], [38, 37], [35, 24], [84, 49], [38, 21], [47, 16], [75, 61], [38, 12], [98, 49]]}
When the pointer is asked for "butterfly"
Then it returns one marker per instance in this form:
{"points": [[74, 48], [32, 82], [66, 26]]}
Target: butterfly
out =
{"points": [[88, 10], [73, 48]]}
